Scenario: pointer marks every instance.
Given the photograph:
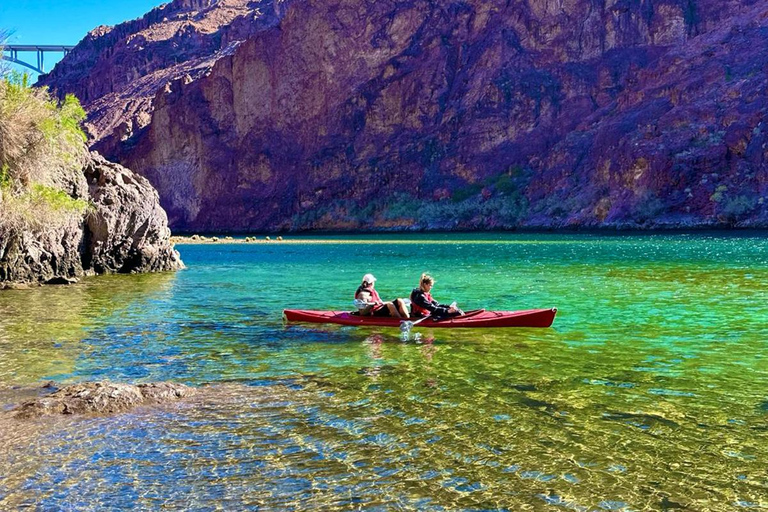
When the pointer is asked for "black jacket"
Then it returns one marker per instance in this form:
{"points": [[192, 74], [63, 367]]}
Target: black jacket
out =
{"points": [[436, 310]]}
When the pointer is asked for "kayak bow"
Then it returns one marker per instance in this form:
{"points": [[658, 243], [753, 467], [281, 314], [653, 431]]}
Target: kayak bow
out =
{"points": [[477, 318]]}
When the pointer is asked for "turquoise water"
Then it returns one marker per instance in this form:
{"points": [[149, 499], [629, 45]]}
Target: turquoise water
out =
{"points": [[649, 393]]}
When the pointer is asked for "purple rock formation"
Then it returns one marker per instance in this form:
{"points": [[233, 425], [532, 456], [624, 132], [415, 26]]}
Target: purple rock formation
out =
{"points": [[338, 114]]}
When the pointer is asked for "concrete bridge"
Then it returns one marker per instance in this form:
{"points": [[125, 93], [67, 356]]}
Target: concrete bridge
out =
{"points": [[11, 54]]}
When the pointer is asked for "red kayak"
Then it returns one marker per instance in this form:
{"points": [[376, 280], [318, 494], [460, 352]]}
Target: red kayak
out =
{"points": [[476, 318]]}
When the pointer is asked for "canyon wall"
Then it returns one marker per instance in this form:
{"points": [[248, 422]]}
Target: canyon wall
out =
{"points": [[341, 114]]}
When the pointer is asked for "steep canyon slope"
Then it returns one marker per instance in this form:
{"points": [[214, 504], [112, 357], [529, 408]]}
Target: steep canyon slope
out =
{"points": [[410, 114]]}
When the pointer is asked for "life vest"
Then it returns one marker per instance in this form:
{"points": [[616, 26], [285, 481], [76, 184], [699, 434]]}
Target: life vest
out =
{"points": [[415, 308], [378, 303]]}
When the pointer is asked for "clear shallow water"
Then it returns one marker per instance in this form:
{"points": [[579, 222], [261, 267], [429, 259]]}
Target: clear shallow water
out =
{"points": [[650, 392]]}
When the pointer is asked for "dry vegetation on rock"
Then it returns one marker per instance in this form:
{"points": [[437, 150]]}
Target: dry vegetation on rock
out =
{"points": [[41, 155], [66, 212]]}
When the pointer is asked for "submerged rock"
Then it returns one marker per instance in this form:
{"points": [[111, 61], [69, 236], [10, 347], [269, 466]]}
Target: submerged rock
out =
{"points": [[61, 280], [101, 398]]}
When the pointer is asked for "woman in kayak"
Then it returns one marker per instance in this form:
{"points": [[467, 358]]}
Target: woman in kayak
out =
{"points": [[422, 303], [367, 293]]}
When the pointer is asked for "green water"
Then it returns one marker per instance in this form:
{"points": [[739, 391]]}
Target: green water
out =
{"points": [[649, 393]]}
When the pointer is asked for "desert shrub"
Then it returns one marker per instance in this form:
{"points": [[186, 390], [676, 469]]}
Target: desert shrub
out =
{"points": [[648, 207], [735, 207], [464, 193], [41, 145], [38, 135], [474, 212], [5, 177], [38, 208], [401, 206], [505, 184]]}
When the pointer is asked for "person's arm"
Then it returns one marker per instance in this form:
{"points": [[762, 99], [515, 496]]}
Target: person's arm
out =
{"points": [[420, 300], [433, 307]]}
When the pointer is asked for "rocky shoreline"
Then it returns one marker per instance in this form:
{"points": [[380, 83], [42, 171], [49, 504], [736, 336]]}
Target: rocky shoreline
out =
{"points": [[360, 236], [125, 230]]}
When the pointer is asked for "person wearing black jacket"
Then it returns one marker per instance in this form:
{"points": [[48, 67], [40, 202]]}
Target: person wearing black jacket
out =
{"points": [[422, 303]]}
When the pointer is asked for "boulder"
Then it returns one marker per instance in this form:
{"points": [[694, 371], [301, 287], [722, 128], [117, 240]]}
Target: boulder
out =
{"points": [[50, 256], [125, 230], [128, 231]]}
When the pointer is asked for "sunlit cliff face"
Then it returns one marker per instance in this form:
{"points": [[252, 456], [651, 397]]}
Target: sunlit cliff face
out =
{"points": [[400, 115]]}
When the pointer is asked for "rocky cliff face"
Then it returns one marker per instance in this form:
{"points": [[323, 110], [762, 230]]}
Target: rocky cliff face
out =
{"points": [[124, 231], [413, 114]]}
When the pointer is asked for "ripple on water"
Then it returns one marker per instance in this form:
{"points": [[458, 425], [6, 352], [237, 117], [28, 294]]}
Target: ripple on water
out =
{"points": [[647, 394]]}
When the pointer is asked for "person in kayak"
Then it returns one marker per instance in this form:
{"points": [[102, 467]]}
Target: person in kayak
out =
{"points": [[367, 293], [422, 303]]}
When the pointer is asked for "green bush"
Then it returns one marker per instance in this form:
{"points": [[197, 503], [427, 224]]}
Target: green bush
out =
{"points": [[5, 177], [39, 208], [38, 134], [462, 194], [735, 207], [57, 200], [648, 207], [42, 146], [401, 206]]}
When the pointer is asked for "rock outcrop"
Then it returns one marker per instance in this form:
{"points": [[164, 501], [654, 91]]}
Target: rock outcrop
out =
{"points": [[119, 69], [124, 231], [128, 231], [101, 398], [338, 114], [47, 257]]}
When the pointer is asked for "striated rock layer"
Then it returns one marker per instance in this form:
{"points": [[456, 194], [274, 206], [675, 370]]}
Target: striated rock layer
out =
{"points": [[342, 114], [125, 231]]}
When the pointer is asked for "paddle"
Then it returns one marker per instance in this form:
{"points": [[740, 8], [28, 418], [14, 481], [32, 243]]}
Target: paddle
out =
{"points": [[407, 325]]}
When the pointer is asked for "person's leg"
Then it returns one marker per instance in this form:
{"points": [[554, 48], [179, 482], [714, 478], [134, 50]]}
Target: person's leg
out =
{"points": [[401, 307], [392, 310]]}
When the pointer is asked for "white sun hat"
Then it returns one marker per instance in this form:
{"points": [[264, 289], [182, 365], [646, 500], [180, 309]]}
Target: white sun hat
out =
{"points": [[368, 278]]}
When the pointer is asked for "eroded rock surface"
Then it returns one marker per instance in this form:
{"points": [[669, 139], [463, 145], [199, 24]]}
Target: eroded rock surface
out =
{"points": [[341, 114], [128, 231], [125, 230], [47, 257], [101, 398]]}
